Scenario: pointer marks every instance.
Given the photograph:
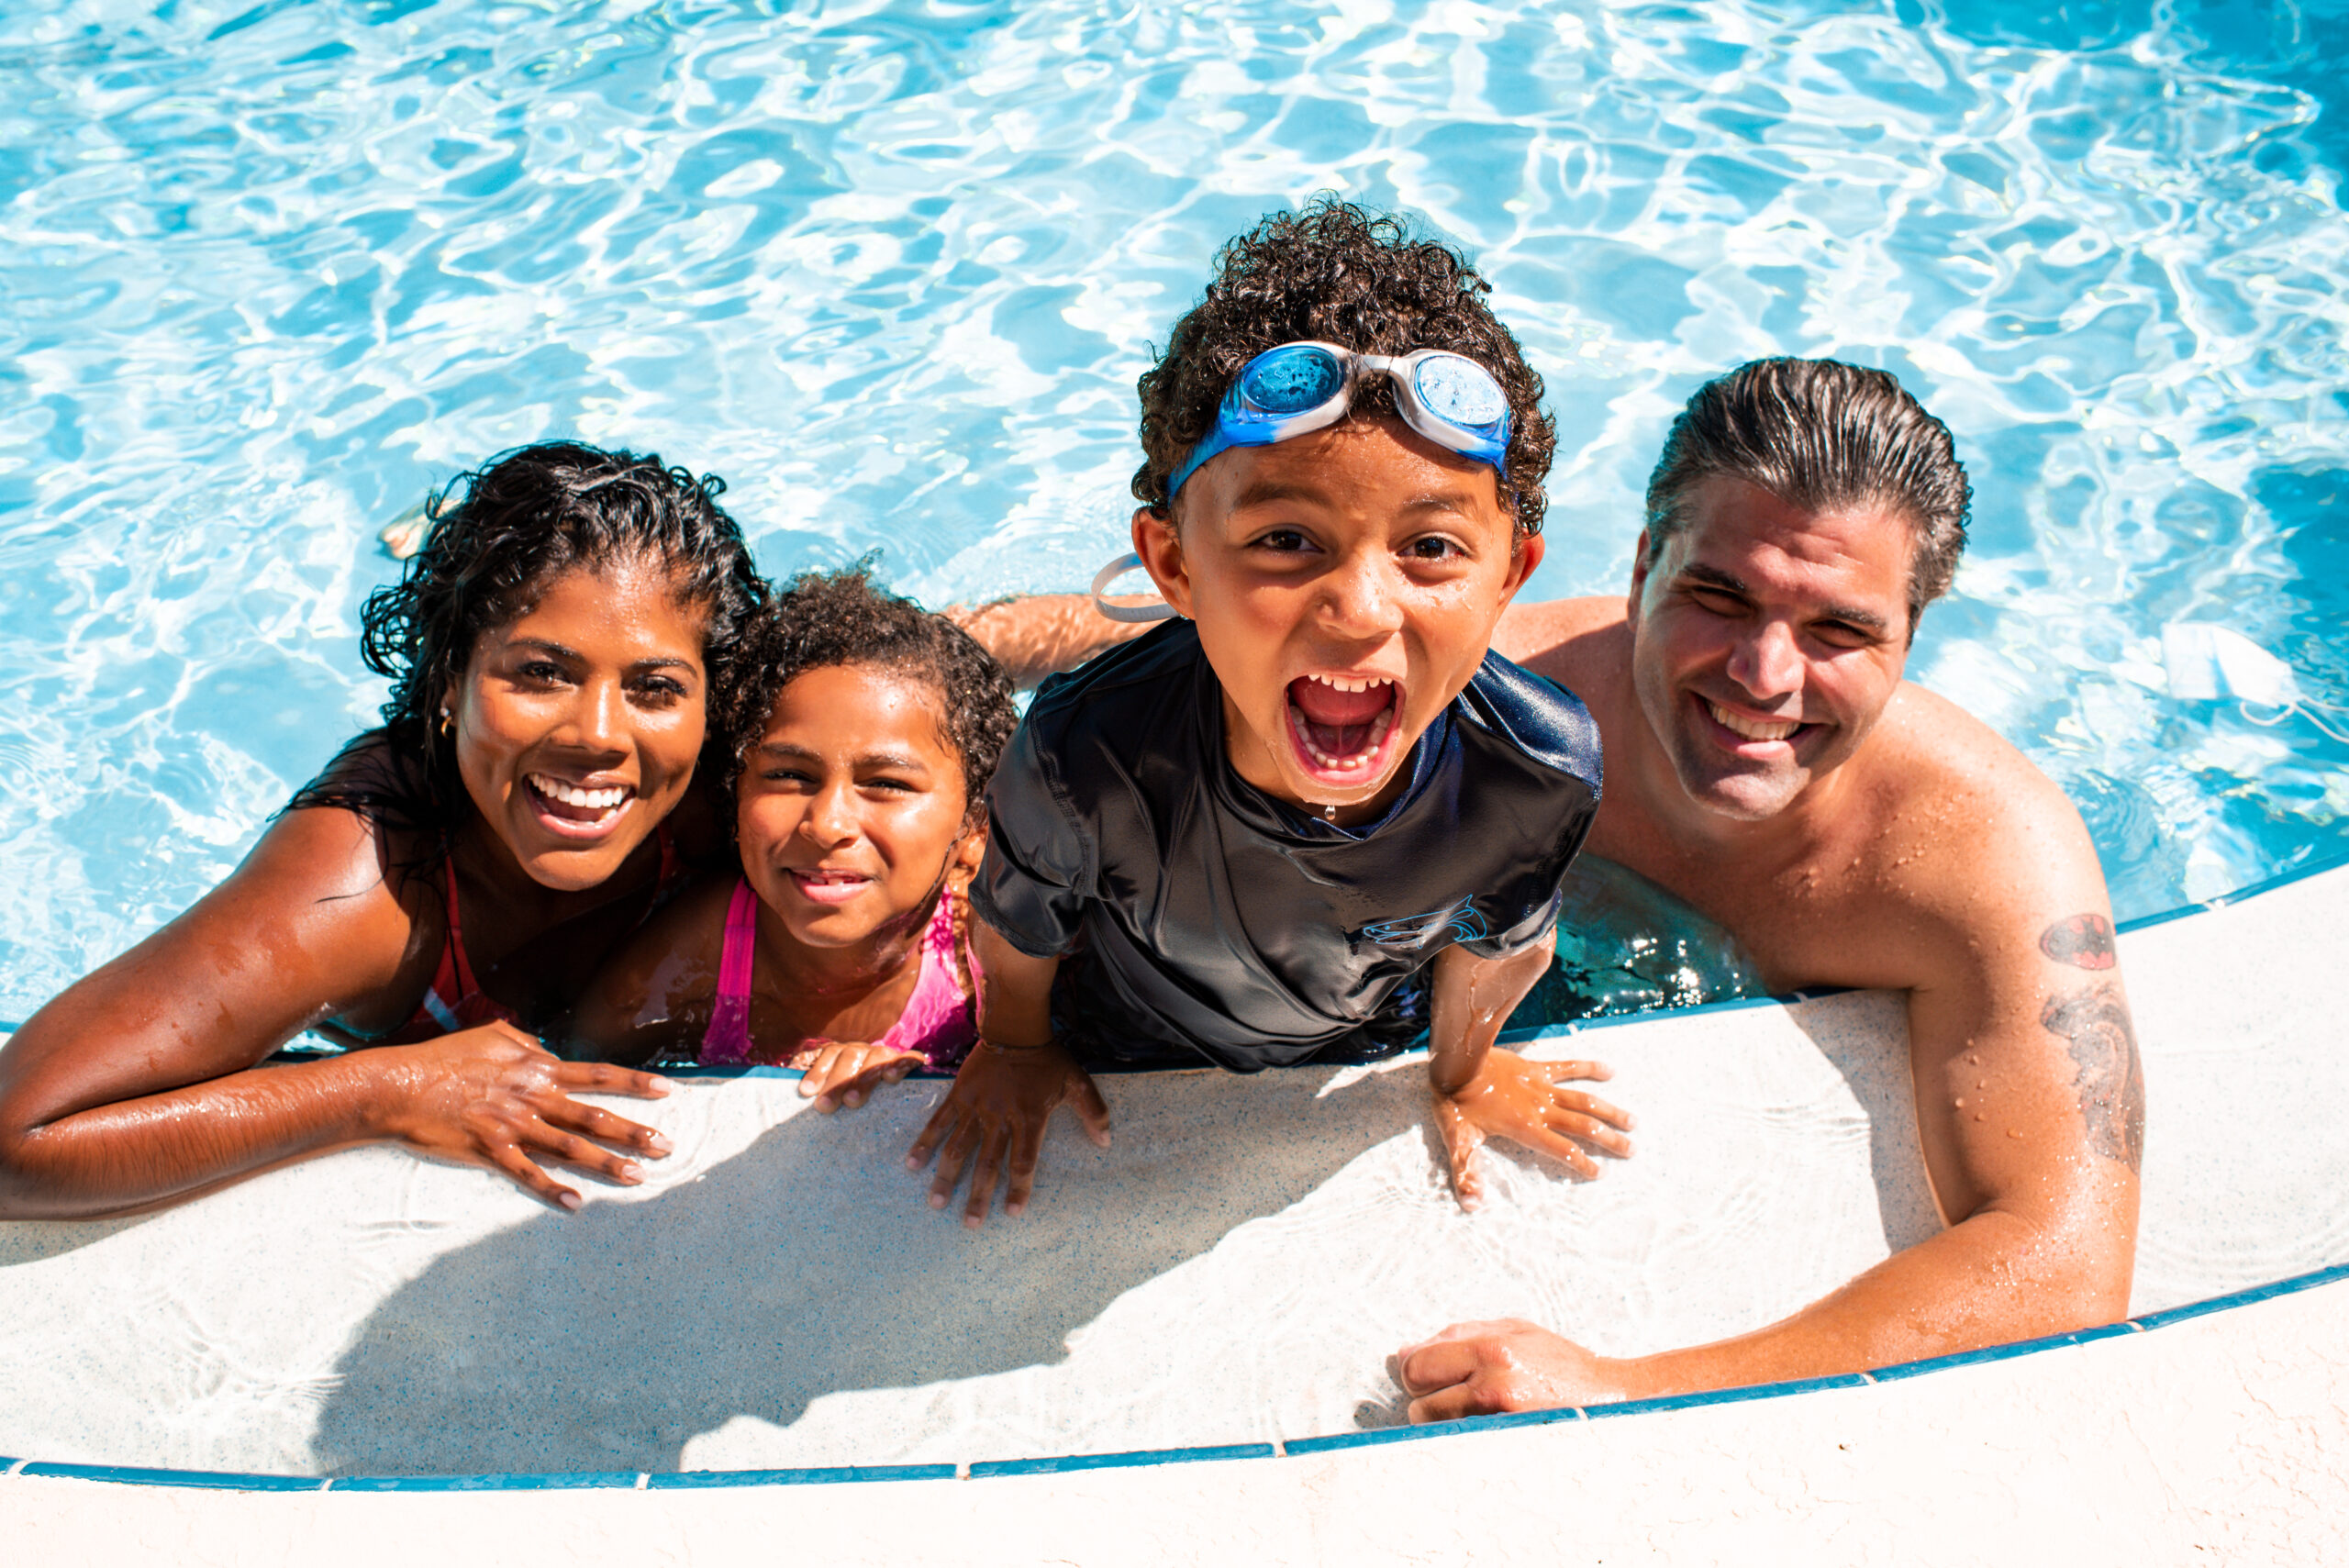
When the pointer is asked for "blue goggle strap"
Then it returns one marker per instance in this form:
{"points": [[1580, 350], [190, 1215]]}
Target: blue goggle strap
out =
{"points": [[1240, 423]]}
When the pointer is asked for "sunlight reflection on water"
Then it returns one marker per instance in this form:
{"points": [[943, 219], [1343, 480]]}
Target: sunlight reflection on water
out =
{"points": [[269, 271]]}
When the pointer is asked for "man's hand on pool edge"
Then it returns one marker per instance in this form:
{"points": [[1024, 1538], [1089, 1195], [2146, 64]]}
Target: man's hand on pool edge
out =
{"points": [[1508, 1364], [996, 1109]]}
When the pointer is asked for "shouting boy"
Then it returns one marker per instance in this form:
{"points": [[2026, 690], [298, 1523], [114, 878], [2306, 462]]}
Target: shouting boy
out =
{"points": [[1314, 815]]}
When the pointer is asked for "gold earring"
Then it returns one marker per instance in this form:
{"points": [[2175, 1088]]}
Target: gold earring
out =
{"points": [[448, 721]]}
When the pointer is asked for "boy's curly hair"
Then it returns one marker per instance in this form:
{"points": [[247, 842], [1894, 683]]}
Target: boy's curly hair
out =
{"points": [[822, 620], [1343, 275]]}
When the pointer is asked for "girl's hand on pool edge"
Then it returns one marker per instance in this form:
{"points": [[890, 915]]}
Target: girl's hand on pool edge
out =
{"points": [[1526, 1103], [996, 1109], [846, 1074], [493, 1096]]}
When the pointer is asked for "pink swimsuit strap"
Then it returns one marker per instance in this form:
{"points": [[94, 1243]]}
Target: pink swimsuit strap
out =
{"points": [[939, 1022]]}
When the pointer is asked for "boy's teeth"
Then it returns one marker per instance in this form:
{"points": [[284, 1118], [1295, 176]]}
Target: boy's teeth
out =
{"points": [[1751, 729], [571, 794], [1341, 683], [1362, 759]]}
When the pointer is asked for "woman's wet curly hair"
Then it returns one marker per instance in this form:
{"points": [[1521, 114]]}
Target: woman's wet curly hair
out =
{"points": [[1343, 275], [823, 620], [513, 526]]}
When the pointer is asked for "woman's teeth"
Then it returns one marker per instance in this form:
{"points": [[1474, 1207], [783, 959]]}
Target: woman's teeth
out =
{"points": [[571, 794], [1751, 729]]}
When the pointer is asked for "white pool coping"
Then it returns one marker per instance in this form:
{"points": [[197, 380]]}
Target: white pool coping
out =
{"points": [[2214, 1427]]}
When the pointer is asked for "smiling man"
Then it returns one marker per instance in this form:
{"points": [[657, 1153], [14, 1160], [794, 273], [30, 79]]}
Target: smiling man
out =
{"points": [[1767, 762], [1315, 814]]}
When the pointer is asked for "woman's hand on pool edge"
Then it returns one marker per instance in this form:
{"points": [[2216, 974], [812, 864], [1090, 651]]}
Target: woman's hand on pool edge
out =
{"points": [[846, 1072], [997, 1109], [1508, 1364], [493, 1096], [1526, 1103]]}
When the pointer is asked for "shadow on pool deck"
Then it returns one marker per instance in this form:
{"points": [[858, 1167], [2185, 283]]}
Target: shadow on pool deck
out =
{"points": [[808, 1264]]}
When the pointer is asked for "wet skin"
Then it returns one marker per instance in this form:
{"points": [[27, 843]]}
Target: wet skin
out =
{"points": [[1345, 585], [1890, 841], [853, 817], [142, 1083]]}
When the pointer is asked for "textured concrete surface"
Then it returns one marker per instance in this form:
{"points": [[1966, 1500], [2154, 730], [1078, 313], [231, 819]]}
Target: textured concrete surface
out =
{"points": [[1234, 1270], [2217, 1440]]}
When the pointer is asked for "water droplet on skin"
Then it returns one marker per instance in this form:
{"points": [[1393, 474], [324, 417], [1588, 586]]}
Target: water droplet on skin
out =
{"points": [[1977, 1116]]}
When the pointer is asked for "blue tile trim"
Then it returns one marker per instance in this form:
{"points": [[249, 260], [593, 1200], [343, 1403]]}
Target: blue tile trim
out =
{"points": [[2257, 1293], [1379, 1436], [1725, 1395], [560, 1482], [695, 1479], [1972, 1358], [986, 1467], [208, 1480]]}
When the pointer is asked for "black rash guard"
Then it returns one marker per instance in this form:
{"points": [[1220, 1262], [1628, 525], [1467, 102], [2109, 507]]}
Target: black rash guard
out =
{"points": [[1201, 918]]}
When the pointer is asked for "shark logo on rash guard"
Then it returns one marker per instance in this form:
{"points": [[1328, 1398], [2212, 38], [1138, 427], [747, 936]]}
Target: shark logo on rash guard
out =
{"points": [[1459, 923]]}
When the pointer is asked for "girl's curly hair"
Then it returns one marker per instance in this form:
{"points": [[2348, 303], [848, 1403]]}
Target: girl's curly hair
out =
{"points": [[823, 620], [1343, 275], [515, 524]]}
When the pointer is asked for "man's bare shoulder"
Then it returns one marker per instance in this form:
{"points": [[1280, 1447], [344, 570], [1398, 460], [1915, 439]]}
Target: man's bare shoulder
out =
{"points": [[1963, 812], [1580, 643]]}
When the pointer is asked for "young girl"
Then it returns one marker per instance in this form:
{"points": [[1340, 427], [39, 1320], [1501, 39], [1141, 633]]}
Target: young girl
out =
{"points": [[862, 741]]}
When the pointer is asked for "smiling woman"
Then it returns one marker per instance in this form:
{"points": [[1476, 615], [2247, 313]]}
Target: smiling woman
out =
{"points": [[552, 651]]}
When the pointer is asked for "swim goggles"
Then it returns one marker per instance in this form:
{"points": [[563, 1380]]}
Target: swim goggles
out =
{"points": [[1296, 387]]}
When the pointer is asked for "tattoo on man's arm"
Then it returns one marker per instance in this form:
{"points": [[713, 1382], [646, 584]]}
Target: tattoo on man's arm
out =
{"points": [[2084, 942], [2110, 1080]]}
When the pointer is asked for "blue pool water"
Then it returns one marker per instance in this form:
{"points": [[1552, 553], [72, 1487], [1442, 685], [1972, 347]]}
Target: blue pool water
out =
{"points": [[268, 271]]}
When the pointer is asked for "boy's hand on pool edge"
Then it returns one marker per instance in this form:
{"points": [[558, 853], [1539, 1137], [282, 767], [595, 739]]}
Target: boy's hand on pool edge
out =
{"points": [[1527, 1102], [998, 1110], [846, 1074]]}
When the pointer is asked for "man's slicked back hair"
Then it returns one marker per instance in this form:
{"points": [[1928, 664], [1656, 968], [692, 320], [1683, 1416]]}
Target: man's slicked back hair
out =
{"points": [[1336, 274], [1821, 435]]}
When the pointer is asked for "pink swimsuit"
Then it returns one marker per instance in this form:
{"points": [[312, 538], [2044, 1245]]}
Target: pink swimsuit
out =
{"points": [[940, 1022]]}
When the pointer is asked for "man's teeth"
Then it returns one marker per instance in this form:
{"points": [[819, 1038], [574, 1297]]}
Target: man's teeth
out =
{"points": [[1341, 683], [1751, 729], [1362, 759], [571, 794]]}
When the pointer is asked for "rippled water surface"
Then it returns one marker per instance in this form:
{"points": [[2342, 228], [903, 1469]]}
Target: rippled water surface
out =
{"points": [[268, 271]]}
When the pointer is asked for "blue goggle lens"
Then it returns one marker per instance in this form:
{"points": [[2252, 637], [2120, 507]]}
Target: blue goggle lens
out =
{"points": [[1291, 382], [1459, 391]]}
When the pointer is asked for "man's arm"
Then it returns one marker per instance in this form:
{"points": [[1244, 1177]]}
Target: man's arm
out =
{"points": [[1044, 634], [2030, 1108]]}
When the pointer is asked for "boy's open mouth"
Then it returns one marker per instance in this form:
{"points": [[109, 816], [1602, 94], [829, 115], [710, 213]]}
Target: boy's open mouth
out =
{"points": [[574, 810], [1342, 727]]}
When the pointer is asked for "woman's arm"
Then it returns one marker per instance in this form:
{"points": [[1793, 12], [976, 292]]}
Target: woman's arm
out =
{"points": [[142, 1084]]}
